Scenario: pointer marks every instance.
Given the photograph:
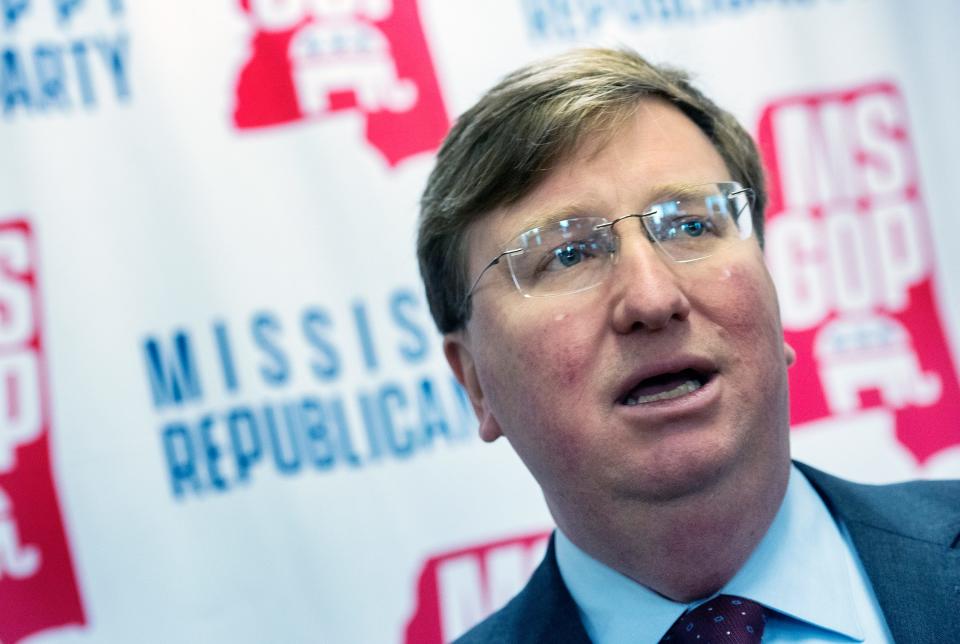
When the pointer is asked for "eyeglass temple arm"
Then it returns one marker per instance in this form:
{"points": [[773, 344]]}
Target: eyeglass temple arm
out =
{"points": [[493, 262]]}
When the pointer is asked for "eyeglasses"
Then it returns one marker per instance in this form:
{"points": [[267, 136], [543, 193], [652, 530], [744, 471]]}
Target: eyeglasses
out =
{"points": [[576, 254]]}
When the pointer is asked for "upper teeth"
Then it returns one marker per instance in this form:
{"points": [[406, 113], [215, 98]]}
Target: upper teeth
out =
{"points": [[680, 390]]}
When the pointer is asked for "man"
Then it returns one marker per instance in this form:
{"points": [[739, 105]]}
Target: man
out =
{"points": [[590, 243]]}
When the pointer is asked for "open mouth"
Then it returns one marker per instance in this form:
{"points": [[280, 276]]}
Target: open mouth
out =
{"points": [[665, 386]]}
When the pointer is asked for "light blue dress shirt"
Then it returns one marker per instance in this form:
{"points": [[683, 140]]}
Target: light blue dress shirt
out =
{"points": [[804, 571]]}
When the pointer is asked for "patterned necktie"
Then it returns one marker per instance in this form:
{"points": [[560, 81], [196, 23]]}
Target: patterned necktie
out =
{"points": [[725, 618]]}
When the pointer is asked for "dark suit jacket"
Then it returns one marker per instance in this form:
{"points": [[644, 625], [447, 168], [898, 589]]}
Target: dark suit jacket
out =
{"points": [[907, 536]]}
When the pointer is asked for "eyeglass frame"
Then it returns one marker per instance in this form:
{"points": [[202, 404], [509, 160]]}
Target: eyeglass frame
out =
{"points": [[464, 307]]}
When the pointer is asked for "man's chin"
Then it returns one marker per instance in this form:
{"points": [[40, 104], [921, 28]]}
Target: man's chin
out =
{"points": [[672, 482]]}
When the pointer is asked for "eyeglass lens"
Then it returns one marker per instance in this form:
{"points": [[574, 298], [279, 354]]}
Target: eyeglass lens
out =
{"points": [[576, 254]]}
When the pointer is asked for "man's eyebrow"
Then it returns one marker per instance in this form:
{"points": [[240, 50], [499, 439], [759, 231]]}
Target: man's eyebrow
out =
{"points": [[589, 208], [677, 191], [553, 215]]}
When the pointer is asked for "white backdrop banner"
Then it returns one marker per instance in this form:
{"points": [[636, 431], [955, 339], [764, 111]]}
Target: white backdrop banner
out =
{"points": [[224, 412]]}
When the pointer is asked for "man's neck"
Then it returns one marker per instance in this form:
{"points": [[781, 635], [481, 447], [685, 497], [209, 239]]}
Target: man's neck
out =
{"points": [[689, 548]]}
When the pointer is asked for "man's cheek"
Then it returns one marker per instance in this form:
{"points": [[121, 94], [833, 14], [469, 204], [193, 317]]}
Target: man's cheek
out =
{"points": [[743, 297], [558, 358]]}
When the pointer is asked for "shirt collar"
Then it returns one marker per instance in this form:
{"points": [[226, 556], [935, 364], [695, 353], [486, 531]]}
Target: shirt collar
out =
{"points": [[798, 569]]}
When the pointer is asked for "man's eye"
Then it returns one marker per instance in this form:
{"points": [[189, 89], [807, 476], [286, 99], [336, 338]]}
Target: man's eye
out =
{"points": [[569, 255], [693, 228], [688, 227]]}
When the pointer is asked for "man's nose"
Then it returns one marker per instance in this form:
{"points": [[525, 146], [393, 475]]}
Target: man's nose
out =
{"points": [[647, 294]]}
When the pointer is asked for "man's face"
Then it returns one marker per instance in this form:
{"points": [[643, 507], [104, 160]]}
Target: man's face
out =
{"points": [[555, 375]]}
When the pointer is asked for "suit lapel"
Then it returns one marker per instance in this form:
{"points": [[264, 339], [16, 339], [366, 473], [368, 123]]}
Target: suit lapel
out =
{"points": [[906, 539], [549, 612]]}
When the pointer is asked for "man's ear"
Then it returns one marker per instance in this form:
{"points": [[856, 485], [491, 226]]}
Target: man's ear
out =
{"points": [[790, 354], [460, 358]]}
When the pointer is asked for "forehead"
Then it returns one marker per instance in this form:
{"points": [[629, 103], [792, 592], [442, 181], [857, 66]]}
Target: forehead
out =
{"points": [[656, 153]]}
